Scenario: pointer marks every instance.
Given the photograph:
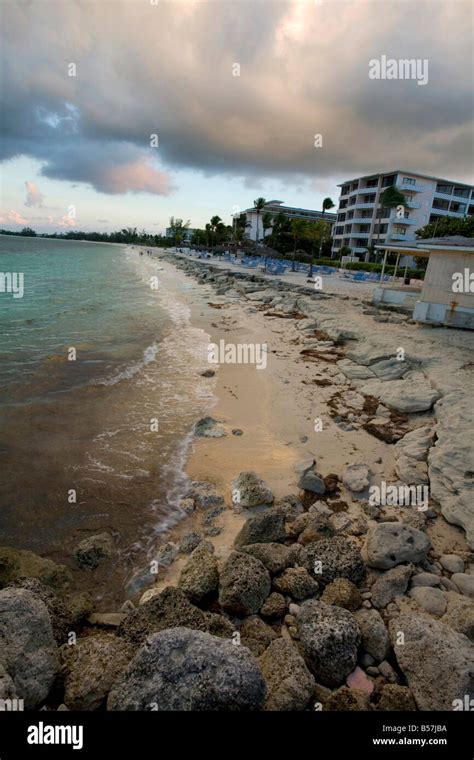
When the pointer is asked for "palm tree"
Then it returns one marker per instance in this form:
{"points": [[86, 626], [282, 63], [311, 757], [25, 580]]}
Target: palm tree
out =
{"points": [[216, 221], [327, 204], [178, 227], [298, 231], [208, 233], [259, 205], [390, 198]]}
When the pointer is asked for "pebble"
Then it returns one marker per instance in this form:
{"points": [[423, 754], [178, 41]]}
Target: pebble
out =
{"points": [[367, 604], [452, 563], [366, 595], [425, 579], [388, 672], [372, 670]]}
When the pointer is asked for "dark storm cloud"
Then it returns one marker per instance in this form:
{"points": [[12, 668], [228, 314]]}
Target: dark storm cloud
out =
{"points": [[168, 70]]}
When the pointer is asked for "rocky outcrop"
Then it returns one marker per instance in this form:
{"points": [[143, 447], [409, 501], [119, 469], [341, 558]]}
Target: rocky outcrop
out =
{"points": [[93, 550]]}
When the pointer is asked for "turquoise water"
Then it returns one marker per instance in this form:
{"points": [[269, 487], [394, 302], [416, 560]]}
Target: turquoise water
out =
{"points": [[85, 424]]}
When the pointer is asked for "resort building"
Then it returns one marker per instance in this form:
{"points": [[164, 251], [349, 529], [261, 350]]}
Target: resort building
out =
{"points": [[187, 233], [277, 207], [361, 221]]}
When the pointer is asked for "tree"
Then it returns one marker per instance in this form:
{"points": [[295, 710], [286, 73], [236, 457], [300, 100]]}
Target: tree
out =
{"points": [[327, 204], [316, 232], [299, 232], [177, 227], [267, 222], [259, 205], [28, 232], [390, 198], [240, 226], [446, 226]]}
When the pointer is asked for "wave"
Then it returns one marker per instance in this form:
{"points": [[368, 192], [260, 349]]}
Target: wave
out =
{"points": [[149, 355]]}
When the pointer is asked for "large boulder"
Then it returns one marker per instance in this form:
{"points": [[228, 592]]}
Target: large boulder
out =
{"points": [[333, 558], [90, 667], [248, 490], [199, 578], [244, 584], [267, 527], [60, 616], [28, 651], [182, 669], [389, 544], [170, 609], [290, 685], [329, 638], [16, 563], [437, 662]]}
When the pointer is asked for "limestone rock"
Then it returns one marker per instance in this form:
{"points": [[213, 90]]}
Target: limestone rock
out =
{"points": [[390, 544]]}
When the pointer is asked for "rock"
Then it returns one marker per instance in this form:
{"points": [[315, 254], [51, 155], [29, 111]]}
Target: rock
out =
{"points": [[7, 687], [297, 582], [395, 698], [358, 680], [267, 527], [432, 600], [465, 583], [244, 584], [90, 667], [304, 465], [450, 461], [28, 651], [189, 670], [256, 635], [342, 593], [329, 638], [452, 563], [93, 550], [248, 490], [237, 431], [460, 614], [170, 609], [166, 554], [274, 607], [413, 394], [390, 585], [436, 661], [356, 477], [386, 670], [199, 578], [19, 563], [107, 619], [81, 606], [59, 615], [354, 371], [374, 634], [204, 495], [390, 369], [425, 579], [345, 699], [189, 542], [309, 480], [333, 558], [390, 544], [275, 557], [208, 427], [289, 683]]}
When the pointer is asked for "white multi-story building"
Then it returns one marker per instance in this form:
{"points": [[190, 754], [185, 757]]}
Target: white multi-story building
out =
{"points": [[277, 207], [361, 221]]}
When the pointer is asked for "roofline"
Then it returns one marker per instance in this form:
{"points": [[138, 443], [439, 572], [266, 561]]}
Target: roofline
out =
{"points": [[416, 250], [289, 208], [407, 171]]}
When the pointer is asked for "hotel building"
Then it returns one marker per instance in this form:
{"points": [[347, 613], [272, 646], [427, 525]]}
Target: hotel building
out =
{"points": [[277, 207], [361, 221]]}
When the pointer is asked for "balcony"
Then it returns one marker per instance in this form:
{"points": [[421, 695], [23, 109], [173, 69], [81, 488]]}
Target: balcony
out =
{"points": [[364, 205], [396, 220], [363, 191], [405, 238], [409, 188], [359, 234], [413, 204], [360, 220], [447, 212]]}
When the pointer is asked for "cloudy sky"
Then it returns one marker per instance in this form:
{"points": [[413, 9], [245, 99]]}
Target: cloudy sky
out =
{"points": [[119, 113]]}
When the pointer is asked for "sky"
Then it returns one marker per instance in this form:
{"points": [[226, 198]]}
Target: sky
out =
{"points": [[124, 113]]}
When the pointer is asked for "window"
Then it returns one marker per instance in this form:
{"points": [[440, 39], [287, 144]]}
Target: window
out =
{"points": [[339, 230], [372, 183], [362, 243], [388, 181], [354, 186], [441, 187], [345, 189], [380, 229], [408, 181], [439, 203], [341, 217], [337, 244], [458, 208], [350, 215], [364, 227], [470, 210], [367, 199], [347, 228], [435, 217], [400, 231], [461, 192]]}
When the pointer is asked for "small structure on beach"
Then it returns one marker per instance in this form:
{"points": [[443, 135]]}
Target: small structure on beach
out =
{"points": [[446, 296]]}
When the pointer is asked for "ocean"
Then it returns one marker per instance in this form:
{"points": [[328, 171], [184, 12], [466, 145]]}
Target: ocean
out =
{"points": [[100, 385]]}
